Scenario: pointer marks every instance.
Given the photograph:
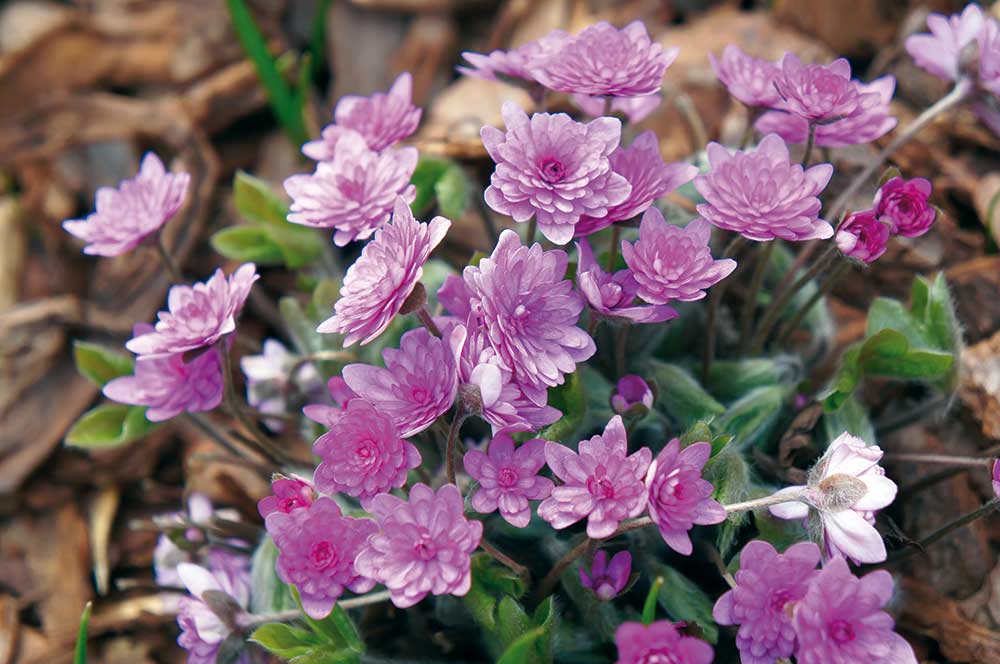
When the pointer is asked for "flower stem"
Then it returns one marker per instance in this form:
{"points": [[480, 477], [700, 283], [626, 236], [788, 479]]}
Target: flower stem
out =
{"points": [[773, 311], [959, 94], [232, 400], [616, 235], [941, 459], [714, 300], [552, 578], [824, 289], [428, 322], [947, 529], [529, 238], [167, 261], [766, 501], [810, 142], [504, 559], [449, 453], [756, 281], [488, 225], [209, 429], [621, 344]]}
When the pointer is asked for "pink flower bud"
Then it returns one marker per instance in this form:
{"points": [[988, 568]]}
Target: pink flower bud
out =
{"points": [[904, 204], [863, 236]]}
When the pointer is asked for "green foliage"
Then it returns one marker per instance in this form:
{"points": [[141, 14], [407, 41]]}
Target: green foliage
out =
{"points": [[109, 425], [649, 606], [683, 600], [80, 651], [571, 400], [286, 641], [332, 640], [270, 594], [490, 582], [442, 180], [268, 238], [753, 416], [287, 102], [729, 380], [100, 364], [851, 417], [532, 645], [681, 396], [729, 473]]}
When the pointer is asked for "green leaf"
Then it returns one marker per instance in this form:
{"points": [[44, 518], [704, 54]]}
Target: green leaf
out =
{"points": [[324, 655], [729, 473], [888, 353], [109, 425], [270, 594], [490, 582], [100, 364], [571, 400], [80, 651], [452, 191], [731, 379], [535, 645], [256, 201], [337, 629], [284, 640], [248, 243], [851, 417], [682, 397], [649, 606], [287, 103], [512, 621], [683, 600], [752, 417], [425, 177]]}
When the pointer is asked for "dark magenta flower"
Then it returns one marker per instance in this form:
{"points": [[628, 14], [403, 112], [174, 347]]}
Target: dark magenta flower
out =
{"points": [[659, 643], [768, 584], [904, 205], [607, 580], [287, 495], [631, 391], [508, 478], [863, 236], [614, 295]]}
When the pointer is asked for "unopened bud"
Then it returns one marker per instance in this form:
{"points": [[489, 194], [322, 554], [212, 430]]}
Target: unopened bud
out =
{"points": [[839, 492], [470, 399]]}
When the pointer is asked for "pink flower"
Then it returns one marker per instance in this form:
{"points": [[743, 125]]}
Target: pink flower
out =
{"points": [[169, 386], [600, 482], [418, 383], [135, 210], [529, 312], [863, 236], [819, 93], [508, 478], [995, 477], [613, 295], [678, 496], [673, 263], [866, 125], [643, 167], [362, 453], [940, 52], [382, 120], [423, 545], [768, 585], [355, 192], [607, 581], [198, 315], [840, 619], [635, 109], [659, 642], [554, 169], [846, 487], [326, 414], [505, 406], [989, 57], [904, 205], [749, 79], [380, 280], [515, 65], [762, 195], [607, 62], [631, 391], [317, 546], [288, 494], [202, 631]]}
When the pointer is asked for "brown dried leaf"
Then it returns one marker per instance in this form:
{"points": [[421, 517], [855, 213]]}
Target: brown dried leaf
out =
{"points": [[980, 389]]}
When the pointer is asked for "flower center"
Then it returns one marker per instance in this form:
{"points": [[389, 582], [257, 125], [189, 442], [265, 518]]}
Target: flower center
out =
{"points": [[419, 395], [424, 548], [286, 505], [322, 554], [367, 451], [552, 170], [841, 631], [658, 656], [507, 477], [779, 599], [600, 487]]}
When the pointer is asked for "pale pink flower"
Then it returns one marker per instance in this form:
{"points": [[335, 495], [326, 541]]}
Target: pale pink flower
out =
{"points": [[606, 61], [317, 546], [768, 584], [508, 478], [554, 169], [515, 65], [989, 57], [287, 495], [862, 236], [530, 313], [819, 93], [749, 79], [418, 383], [940, 52], [659, 642], [133, 211], [673, 263], [600, 482], [202, 631], [678, 496], [355, 193], [643, 168], [382, 119], [362, 453], [380, 280], [197, 315], [840, 619], [762, 195], [613, 295], [607, 580], [866, 125], [904, 205], [635, 109], [423, 544], [631, 391], [846, 487]]}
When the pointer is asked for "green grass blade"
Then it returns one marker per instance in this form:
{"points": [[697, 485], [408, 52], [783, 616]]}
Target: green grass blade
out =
{"points": [[80, 652]]}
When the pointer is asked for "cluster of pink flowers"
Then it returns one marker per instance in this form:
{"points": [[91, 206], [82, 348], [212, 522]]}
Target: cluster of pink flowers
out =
{"points": [[901, 207], [359, 175], [784, 606]]}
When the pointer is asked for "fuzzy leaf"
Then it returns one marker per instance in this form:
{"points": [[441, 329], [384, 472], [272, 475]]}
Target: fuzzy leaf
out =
{"points": [[731, 379], [337, 629], [247, 243], [452, 191], [533, 646], [569, 398], [101, 364], [683, 600], [750, 419], [109, 425], [682, 397], [490, 583], [256, 201], [284, 640]]}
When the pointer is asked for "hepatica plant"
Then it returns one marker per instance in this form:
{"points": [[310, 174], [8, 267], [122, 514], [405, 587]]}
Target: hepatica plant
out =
{"points": [[549, 453]]}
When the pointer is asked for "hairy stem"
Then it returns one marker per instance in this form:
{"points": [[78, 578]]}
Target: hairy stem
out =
{"points": [[756, 281], [941, 459], [504, 559], [810, 141], [945, 530], [616, 235], [264, 444], [428, 322], [168, 262], [449, 453], [788, 328], [714, 301]]}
